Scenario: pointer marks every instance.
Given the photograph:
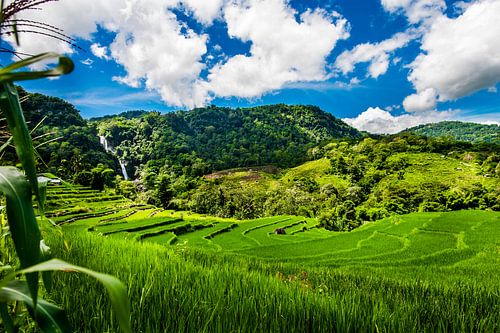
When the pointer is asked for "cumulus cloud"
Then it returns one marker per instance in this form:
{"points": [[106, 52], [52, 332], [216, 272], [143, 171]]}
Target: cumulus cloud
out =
{"points": [[205, 11], [423, 101], [378, 121], [416, 11], [142, 48], [146, 52], [284, 49], [99, 51], [162, 54], [377, 54], [460, 56]]}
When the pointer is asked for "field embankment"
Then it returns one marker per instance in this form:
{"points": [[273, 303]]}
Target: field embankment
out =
{"points": [[413, 273]]}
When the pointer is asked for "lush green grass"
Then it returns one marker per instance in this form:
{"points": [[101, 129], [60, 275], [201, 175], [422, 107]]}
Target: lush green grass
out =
{"points": [[207, 291], [319, 170], [421, 272]]}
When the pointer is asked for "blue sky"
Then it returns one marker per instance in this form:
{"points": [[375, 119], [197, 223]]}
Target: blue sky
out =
{"points": [[382, 65]]}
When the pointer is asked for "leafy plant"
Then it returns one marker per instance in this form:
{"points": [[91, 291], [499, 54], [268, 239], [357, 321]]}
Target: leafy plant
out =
{"points": [[18, 188]]}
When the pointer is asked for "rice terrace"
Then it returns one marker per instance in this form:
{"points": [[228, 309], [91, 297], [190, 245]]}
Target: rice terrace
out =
{"points": [[415, 272], [249, 166]]}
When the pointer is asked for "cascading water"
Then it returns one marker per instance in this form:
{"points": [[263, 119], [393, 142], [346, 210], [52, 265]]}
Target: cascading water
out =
{"points": [[124, 170], [104, 142], [108, 148]]}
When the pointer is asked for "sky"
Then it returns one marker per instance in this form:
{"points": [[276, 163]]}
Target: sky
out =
{"points": [[380, 65]]}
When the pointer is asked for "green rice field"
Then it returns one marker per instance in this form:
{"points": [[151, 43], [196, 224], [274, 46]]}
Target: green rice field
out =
{"points": [[421, 272]]}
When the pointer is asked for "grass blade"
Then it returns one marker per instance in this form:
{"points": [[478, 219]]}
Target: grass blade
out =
{"points": [[50, 318], [116, 289], [9, 103], [42, 193], [6, 144], [22, 221], [65, 66], [6, 319]]}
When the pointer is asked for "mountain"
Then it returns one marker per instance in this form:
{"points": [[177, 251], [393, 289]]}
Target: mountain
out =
{"points": [[353, 183], [204, 140], [66, 144], [461, 131]]}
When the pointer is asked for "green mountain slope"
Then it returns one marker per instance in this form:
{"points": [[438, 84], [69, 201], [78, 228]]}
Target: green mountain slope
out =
{"points": [[214, 138], [461, 131], [354, 183], [65, 143]]}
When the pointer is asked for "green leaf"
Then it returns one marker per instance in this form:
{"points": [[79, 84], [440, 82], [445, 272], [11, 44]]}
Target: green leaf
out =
{"points": [[42, 196], [46, 275], [50, 318], [65, 66], [6, 319], [116, 289], [6, 144], [9, 103], [22, 221]]}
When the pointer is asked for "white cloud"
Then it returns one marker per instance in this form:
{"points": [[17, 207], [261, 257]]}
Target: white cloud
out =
{"points": [[460, 56], [87, 62], [205, 11], [99, 51], [423, 101], [376, 120], [284, 49], [164, 55], [378, 55], [142, 48], [416, 11]]}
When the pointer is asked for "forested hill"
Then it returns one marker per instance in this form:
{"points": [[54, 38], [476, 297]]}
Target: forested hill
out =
{"points": [[65, 143], [202, 140], [461, 131]]}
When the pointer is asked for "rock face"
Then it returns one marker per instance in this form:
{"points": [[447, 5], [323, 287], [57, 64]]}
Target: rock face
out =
{"points": [[280, 231]]}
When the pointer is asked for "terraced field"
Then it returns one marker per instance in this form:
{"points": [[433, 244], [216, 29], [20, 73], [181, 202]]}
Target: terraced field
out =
{"points": [[117, 217], [421, 272], [410, 240]]}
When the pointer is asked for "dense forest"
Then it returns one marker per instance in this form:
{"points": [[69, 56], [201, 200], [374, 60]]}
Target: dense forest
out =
{"points": [[279, 159], [461, 131], [65, 144], [204, 140], [352, 183]]}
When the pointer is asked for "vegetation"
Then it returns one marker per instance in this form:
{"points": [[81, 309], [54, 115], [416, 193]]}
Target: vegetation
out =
{"points": [[23, 252], [286, 219], [207, 139], [353, 183], [309, 279], [461, 131]]}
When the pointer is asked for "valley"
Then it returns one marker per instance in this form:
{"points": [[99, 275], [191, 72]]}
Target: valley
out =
{"points": [[312, 226]]}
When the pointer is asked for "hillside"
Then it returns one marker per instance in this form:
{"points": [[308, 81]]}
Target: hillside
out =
{"points": [[204, 140], [461, 131], [389, 269], [65, 143], [405, 182]]}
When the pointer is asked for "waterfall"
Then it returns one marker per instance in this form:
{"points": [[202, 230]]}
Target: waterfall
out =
{"points": [[109, 149], [104, 142], [124, 170]]}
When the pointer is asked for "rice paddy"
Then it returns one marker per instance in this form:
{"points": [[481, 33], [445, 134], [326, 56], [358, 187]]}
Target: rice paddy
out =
{"points": [[421, 272]]}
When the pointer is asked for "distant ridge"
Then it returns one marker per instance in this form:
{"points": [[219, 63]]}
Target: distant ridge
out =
{"points": [[218, 138], [461, 131]]}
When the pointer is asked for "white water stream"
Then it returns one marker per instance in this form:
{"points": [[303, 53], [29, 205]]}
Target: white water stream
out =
{"points": [[109, 149]]}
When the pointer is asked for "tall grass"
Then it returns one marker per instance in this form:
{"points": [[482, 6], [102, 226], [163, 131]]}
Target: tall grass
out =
{"points": [[196, 290]]}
